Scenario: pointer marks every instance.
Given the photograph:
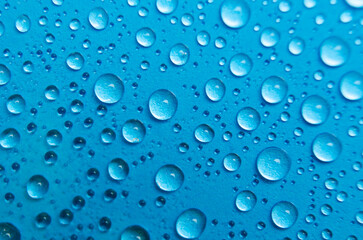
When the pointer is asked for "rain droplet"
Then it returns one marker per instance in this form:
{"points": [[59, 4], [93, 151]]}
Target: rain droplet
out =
{"points": [[54, 138], [179, 54], [284, 214], [191, 223], [315, 110], [240, 65], [273, 163], [9, 138], [203, 38], [37, 186], [326, 147], [163, 104], [98, 18], [145, 37], [109, 88], [204, 133], [246, 201], [133, 131], [269, 37], [351, 86], [23, 23], [169, 178], [232, 162], [215, 89], [274, 89], [51, 93], [15, 104], [248, 119], [235, 13], [166, 6], [296, 46], [75, 61], [334, 52]]}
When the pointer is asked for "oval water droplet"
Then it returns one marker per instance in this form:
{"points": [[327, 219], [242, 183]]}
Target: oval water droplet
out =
{"points": [[232, 162], [133, 131], [179, 54], [326, 147], [315, 110], [269, 37], [9, 232], [75, 61], [204, 133], [215, 89], [163, 104], [248, 118], [274, 89], [351, 86], [246, 201], [15, 104], [118, 169], [191, 223], [37, 186], [109, 88], [98, 18], [5, 75], [23, 23], [135, 233], [9, 138], [284, 214], [145, 37], [235, 13], [296, 46], [169, 178], [240, 65], [166, 6], [273, 163], [334, 52]]}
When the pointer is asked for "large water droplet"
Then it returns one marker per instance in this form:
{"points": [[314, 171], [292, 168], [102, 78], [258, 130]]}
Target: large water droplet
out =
{"points": [[269, 37], [109, 88], [315, 110], [274, 89], [135, 233], [54, 138], [273, 163], [9, 138], [163, 104], [351, 86], [51, 93], [9, 232], [235, 13], [5, 75], [15, 104], [145, 37], [204, 133], [248, 118], [133, 131], [169, 178], [179, 54], [334, 51], [166, 6], [98, 18], [232, 162], [355, 3], [75, 61], [296, 46], [215, 89], [191, 223], [246, 201], [37, 186], [23, 23], [284, 214], [326, 147], [118, 169], [240, 65]]}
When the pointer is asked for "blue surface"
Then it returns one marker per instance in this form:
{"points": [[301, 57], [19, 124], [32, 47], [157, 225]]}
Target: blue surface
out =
{"points": [[207, 185]]}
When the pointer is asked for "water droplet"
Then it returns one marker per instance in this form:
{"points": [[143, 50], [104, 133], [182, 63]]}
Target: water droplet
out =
{"points": [[232, 162], [108, 135], [240, 65], [98, 18], [334, 52], [54, 138], [179, 54], [351, 86], [246, 201], [191, 223], [135, 233], [269, 37], [274, 89], [42, 220], [163, 104], [15, 104], [326, 147], [315, 110], [9, 138], [204, 133], [65, 217], [169, 178], [37, 186], [23, 23], [109, 88], [51, 93], [5, 75], [248, 118], [235, 13], [355, 3], [203, 38], [9, 232], [215, 89], [284, 214], [133, 131], [145, 37], [296, 46], [273, 163], [75, 61]]}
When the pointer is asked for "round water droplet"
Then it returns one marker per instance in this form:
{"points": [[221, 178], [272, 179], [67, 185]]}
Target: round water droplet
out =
{"points": [[5, 75], [235, 13], [248, 118], [204, 133], [37, 186], [191, 223], [98, 18], [109, 88], [334, 52], [273, 163], [240, 65], [23, 23], [118, 169], [179, 54], [269, 37], [355, 3], [284, 214], [108, 135], [135, 233], [169, 178], [163, 104], [9, 138], [203, 38], [232, 162], [215, 89], [326, 147], [15, 104], [296, 46], [133, 131], [9, 232], [246, 201], [145, 37], [166, 6], [42, 220], [351, 86], [274, 89], [54, 138], [315, 110], [51, 93], [75, 61]]}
